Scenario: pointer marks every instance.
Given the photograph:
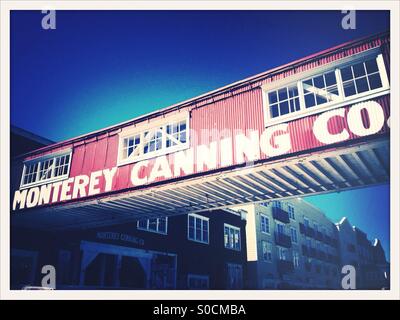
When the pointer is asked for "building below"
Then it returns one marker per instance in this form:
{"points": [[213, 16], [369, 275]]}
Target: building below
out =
{"points": [[368, 258], [293, 245], [195, 251]]}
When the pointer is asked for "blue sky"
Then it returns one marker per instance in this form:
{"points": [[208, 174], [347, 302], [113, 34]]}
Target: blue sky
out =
{"points": [[99, 68]]}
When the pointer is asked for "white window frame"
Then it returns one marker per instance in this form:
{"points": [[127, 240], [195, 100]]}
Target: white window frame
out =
{"points": [[140, 129], [308, 225], [41, 160], [296, 258], [158, 224], [270, 251], [191, 276], [291, 235], [291, 212], [202, 218], [261, 224], [282, 250], [227, 245], [283, 226], [342, 101]]}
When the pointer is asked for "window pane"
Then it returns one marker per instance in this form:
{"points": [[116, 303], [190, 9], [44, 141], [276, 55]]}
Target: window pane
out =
{"points": [[371, 66], [274, 111], [191, 233], [349, 88], [310, 100], [272, 97], [306, 84], [293, 92], [330, 78], [375, 81], [321, 100], [362, 85], [319, 82], [284, 107], [153, 224], [359, 70], [282, 94], [346, 73]]}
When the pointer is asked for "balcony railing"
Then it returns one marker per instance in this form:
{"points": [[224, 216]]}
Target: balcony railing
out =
{"points": [[283, 240], [285, 266], [280, 215]]}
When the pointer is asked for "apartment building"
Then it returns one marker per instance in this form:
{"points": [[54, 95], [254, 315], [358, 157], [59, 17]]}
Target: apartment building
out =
{"points": [[293, 245], [368, 258]]}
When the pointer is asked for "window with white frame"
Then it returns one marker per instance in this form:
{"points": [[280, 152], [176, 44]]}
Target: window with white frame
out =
{"points": [[295, 259], [281, 228], [198, 228], [231, 237], [291, 212], [166, 137], [264, 222], [306, 222], [329, 86], [293, 234], [158, 225], [278, 204], [46, 169], [198, 282], [282, 254], [266, 250]]}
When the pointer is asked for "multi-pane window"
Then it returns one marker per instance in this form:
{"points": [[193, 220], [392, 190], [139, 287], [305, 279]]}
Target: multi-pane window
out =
{"points": [[329, 87], [152, 140], [282, 253], [198, 228], [171, 136], [293, 234], [158, 225], [231, 237], [62, 165], [131, 145], [283, 101], [46, 169], [295, 259], [176, 133], [264, 224], [291, 212], [320, 89], [278, 204], [280, 228], [267, 250], [30, 174], [361, 77]]}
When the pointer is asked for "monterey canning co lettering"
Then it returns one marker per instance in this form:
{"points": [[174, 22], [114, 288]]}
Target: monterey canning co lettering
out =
{"points": [[273, 141]]}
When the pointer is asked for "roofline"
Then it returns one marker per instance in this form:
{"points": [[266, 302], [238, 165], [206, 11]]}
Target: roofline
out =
{"points": [[209, 94], [30, 135]]}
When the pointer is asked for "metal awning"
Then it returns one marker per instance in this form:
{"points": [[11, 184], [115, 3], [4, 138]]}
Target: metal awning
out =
{"points": [[357, 166]]}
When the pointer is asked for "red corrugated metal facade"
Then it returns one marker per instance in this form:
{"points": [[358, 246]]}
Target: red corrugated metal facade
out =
{"points": [[236, 108]]}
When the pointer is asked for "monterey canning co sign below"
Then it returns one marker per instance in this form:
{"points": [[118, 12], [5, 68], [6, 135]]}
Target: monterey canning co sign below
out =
{"points": [[359, 120]]}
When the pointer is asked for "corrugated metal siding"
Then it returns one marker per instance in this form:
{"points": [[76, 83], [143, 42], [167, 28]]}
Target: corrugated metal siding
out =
{"points": [[240, 109]]}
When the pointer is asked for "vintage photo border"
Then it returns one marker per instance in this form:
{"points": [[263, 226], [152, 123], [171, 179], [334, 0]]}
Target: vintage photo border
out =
{"points": [[7, 6]]}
